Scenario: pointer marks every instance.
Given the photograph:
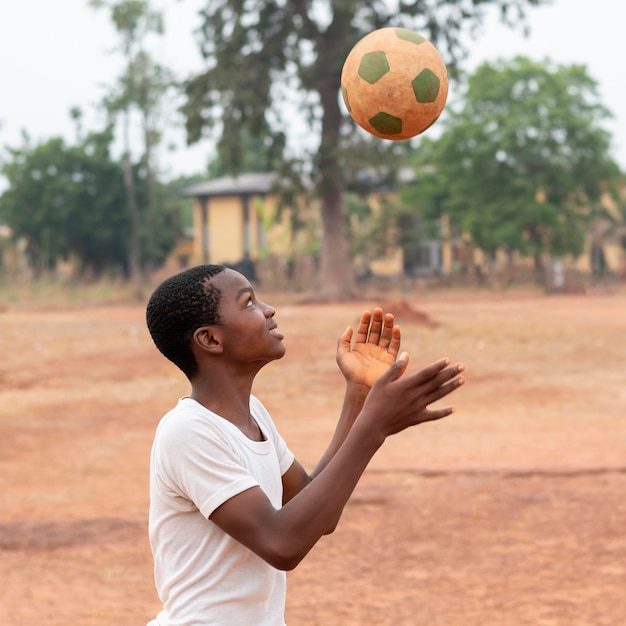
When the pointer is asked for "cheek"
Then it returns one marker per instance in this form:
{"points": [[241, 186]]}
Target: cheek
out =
{"points": [[252, 330]]}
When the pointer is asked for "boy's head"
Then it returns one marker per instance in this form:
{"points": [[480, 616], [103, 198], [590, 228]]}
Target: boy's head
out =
{"points": [[178, 307]]}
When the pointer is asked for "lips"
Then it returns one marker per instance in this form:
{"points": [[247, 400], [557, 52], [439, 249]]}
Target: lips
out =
{"points": [[273, 331]]}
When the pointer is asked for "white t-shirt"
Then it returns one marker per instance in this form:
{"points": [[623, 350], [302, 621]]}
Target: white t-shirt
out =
{"points": [[203, 576]]}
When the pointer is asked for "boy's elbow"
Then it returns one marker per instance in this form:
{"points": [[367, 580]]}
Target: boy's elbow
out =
{"points": [[287, 565], [285, 562], [285, 555], [285, 549]]}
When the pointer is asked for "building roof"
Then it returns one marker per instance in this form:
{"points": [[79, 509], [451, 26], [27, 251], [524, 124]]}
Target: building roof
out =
{"points": [[243, 184]]}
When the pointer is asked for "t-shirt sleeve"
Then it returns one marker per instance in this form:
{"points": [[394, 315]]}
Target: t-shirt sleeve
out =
{"points": [[202, 466]]}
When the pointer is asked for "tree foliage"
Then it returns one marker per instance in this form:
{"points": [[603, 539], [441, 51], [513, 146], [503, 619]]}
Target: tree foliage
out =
{"points": [[523, 159], [141, 89], [76, 201], [66, 202], [258, 54]]}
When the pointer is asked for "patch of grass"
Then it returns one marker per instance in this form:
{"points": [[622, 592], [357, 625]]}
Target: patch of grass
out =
{"points": [[52, 293]]}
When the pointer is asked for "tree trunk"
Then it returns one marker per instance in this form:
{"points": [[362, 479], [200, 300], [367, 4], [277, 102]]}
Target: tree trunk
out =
{"points": [[133, 211], [151, 204], [337, 274], [336, 268], [539, 270]]}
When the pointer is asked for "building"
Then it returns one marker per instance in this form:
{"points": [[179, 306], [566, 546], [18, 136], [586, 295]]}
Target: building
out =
{"points": [[239, 221]]}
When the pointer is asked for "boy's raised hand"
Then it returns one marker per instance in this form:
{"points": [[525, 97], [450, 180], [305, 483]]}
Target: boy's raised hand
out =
{"points": [[398, 400], [375, 348]]}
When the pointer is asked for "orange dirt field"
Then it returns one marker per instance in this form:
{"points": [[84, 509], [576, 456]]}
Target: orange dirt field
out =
{"points": [[511, 512]]}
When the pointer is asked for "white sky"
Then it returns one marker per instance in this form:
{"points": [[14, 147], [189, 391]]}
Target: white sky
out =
{"points": [[56, 55]]}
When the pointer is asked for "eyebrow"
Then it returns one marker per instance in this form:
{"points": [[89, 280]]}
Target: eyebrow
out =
{"points": [[243, 290]]}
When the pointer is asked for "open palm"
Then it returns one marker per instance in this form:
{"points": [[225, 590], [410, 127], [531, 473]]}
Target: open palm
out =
{"points": [[375, 348]]}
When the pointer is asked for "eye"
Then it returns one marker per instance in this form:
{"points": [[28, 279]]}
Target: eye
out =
{"points": [[249, 302]]}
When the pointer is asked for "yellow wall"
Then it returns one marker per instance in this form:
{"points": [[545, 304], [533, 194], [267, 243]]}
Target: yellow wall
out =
{"points": [[390, 265], [226, 229]]}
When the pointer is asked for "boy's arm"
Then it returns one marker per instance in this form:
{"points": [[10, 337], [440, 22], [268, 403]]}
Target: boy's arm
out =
{"points": [[375, 348], [362, 362], [284, 536]]}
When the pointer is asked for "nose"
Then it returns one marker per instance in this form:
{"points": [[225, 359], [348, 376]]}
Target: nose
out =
{"points": [[269, 311]]}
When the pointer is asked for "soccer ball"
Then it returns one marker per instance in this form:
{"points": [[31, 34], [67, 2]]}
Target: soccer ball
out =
{"points": [[394, 83]]}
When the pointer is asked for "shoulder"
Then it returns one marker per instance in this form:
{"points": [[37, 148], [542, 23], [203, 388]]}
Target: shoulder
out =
{"points": [[188, 422], [191, 437]]}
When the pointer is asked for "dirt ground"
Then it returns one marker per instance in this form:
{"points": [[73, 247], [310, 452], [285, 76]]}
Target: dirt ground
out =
{"points": [[511, 512]]}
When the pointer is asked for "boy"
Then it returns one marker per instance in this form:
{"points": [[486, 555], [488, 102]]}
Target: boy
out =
{"points": [[231, 509]]}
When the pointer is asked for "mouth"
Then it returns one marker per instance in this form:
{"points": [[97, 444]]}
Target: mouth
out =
{"points": [[274, 331]]}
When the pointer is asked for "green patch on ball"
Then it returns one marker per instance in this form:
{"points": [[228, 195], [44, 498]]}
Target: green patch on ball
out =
{"points": [[426, 86], [409, 35], [373, 66], [386, 124]]}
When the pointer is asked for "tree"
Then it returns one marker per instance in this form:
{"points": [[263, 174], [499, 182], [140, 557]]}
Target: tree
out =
{"points": [[66, 202], [523, 159], [256, 52], [141, 88], [256, 156]]}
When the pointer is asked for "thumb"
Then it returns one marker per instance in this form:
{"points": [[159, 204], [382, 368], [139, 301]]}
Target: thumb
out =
{"points": [[398, 368], [344, 342]]}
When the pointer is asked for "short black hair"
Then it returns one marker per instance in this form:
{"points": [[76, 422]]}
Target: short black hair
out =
{"points": [[178, 307]]}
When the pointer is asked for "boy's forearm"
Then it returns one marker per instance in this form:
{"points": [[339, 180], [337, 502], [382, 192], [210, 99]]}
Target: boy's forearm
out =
{"points": [[311, 513], [283, 536], [390, 408], [353, 402]]}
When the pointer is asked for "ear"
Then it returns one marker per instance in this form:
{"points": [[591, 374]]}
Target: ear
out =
{"points": [[208, 338]]}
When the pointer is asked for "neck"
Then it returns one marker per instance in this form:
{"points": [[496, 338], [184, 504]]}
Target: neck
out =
{"points": [[230, 399]]}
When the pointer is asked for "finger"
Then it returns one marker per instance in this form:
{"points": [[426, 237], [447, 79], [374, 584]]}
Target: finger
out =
{"points": [[395, 371], [443, 390], [428, 373], [438, 377], [394, 344], [376, 326], [363, 327], [387, 332], [436, 414], [344, 342], [447, 374]]}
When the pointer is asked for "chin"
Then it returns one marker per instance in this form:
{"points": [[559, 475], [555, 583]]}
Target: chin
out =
{"points": [[281, 354]]}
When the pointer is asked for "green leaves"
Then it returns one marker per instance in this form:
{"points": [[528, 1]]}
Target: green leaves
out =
{"points": [[66, 202], [523, 156]]}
